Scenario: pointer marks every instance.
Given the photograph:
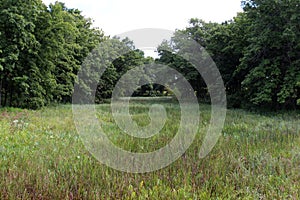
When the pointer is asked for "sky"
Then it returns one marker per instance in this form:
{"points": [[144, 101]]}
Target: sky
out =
{"points": [[117, 16]]}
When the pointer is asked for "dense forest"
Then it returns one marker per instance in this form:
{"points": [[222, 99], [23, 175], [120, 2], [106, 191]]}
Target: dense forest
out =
{"points": [[42, 48]]}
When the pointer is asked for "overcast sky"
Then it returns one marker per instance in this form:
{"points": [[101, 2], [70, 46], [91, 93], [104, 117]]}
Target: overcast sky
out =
{"points": [[118, 16]]}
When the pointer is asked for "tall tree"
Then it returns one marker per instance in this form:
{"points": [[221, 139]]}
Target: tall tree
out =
{"points": [[171, 53], [42, 49], [272, 60], [20, 74]]}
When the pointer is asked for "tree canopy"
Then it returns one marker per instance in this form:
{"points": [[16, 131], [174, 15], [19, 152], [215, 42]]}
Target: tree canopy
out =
{"points": [[43, 48], [257, 54]]}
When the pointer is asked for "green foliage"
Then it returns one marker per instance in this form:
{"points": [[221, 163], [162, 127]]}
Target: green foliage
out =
{"points": [[111, 59], [19, 48], [271, 61], [174, 53], [43, 48], [257, 54], [41, 52]]}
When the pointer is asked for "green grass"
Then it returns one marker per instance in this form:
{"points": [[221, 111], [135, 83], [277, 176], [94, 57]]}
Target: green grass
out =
{"points": [[42, 157]]}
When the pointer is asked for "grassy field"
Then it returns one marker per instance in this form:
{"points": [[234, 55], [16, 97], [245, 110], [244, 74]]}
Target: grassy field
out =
{"points": [[42, 157]]}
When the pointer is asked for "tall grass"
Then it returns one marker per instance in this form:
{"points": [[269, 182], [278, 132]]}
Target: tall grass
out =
{"points": [[42, 157]]}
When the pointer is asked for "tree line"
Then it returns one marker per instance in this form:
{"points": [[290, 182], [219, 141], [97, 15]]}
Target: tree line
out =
{"points": [[42, 49], [257, 53]]}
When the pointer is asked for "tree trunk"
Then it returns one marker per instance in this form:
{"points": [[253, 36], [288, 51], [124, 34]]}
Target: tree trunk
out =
{"points": [[0, 93], [11, 94]]}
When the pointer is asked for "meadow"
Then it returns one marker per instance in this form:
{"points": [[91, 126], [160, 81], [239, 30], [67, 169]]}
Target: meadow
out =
{"points": [[43, 157]]}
